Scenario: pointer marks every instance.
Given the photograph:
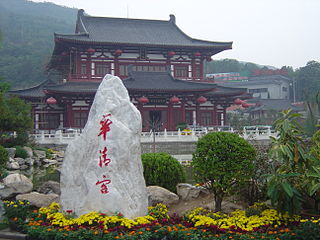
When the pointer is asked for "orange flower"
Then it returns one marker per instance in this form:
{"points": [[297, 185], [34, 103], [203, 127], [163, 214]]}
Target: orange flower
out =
{"points": [[287, 230], [140, 233], [270, 232]]}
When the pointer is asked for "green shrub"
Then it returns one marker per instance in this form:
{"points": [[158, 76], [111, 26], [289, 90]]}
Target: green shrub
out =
{"points": [[223, 161], [162, 170], [4, 156], [20, 152]]}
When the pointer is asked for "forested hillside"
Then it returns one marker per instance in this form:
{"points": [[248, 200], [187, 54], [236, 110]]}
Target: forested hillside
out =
{"points": [[27, 31]]}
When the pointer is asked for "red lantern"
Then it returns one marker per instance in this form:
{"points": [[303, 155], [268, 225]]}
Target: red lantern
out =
{"points": [[91, 51], [238, 101], [171, 53], [174, 99], [51, 100], [245, 105], [197, 54], [201, 99], [118, 52], [143, 100]]}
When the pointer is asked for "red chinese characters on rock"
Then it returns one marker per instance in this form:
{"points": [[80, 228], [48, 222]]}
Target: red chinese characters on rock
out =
{"points": [[103, 160], [105, 126], [103, 187], [105, 123]]}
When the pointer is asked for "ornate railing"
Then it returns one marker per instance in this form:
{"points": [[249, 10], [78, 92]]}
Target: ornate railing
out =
{"points": [[59, 137]]}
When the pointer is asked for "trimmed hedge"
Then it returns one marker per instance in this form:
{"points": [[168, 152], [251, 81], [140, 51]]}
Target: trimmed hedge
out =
{"points": [[162, 170]]}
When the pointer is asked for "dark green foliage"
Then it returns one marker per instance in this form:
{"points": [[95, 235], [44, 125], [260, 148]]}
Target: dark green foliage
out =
{"points": [[163, 170], [27, 30], [20, 152], [284, 185], [4, 156], [223, 161], [15, 117], [307, 78]]}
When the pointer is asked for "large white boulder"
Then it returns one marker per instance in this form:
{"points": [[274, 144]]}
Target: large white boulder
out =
{"points": [[115, 184], [14, 184]]}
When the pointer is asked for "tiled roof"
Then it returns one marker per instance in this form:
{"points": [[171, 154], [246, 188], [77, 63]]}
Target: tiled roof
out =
{"points": [[273, 104], [74, 87], [33, 92], [135, 32], [162, 81], [221, 90]]}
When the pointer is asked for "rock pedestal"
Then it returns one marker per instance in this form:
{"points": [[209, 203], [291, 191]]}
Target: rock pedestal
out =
{"points": [[102, 169]]}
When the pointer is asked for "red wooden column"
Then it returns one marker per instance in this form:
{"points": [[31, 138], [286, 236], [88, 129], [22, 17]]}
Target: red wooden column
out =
{"points": [[214, 115], [183, 110], [116, 66], [224, 114], [69, 118], [197, 113], [89, 66], [193, 69], [170, 117]]}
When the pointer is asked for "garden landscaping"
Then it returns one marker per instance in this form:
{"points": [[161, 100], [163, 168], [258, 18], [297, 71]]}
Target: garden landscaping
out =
{"points": [[257, 222]]}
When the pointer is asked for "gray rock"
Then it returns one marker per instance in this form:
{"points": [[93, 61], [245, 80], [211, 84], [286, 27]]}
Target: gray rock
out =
{"points": [[60, 154], [15, 184], [38, 199], [29, 161], [189, 192], [158, 194], [11, 152], [49, 161], [23, 167], [13, 165], [40, 154], [29, 151], [21, 161], [50, 187]]}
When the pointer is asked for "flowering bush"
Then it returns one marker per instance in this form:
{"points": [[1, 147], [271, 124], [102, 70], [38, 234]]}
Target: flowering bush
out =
{"points": [[52, 223]]}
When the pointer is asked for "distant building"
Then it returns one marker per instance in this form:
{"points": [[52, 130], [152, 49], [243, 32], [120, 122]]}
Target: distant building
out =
{"points": [[264, 87], [160, 65]]}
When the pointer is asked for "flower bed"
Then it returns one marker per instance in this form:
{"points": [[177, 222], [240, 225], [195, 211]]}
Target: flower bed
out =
{"points": [[51, 223]]}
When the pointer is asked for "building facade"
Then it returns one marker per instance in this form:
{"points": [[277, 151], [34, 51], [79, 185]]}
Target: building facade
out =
{"points": [[160, 65]]}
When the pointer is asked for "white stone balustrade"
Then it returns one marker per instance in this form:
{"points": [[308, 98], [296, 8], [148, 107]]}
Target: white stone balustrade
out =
{"points": [[248, 133]]}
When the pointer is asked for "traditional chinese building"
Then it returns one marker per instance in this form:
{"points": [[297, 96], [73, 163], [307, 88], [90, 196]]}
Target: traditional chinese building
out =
{"points": [[160, 65]]}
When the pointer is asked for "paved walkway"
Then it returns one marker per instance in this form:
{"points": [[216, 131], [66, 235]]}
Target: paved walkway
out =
{"points": [[6, 234]]}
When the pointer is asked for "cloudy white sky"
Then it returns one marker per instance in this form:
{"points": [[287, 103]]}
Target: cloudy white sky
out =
{"points": [[268, 32]]}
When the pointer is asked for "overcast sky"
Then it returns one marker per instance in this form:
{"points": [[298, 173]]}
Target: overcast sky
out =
{"points": [[267, 32]]}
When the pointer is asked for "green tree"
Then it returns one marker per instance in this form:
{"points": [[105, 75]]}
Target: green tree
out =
{"points": [[15, 116], [223, 161], [308, 80]]}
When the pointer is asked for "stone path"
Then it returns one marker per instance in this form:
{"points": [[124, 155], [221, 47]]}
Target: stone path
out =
{"points": [[6, 234]]}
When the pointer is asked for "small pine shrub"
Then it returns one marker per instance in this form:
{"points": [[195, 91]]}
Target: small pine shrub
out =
{"points": [[4, 156], [20, 152], [162, 170]]}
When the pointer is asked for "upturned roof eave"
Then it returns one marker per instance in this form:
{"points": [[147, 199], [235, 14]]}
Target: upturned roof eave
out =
{"points": [[218, 46]]}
